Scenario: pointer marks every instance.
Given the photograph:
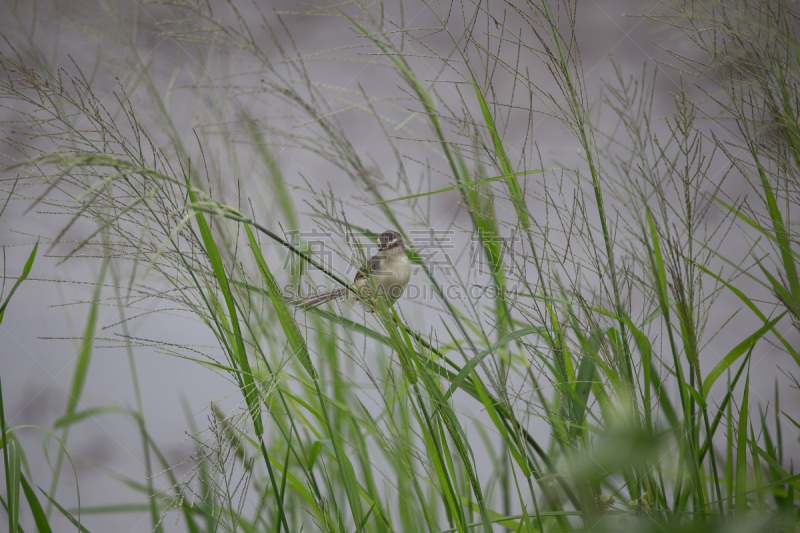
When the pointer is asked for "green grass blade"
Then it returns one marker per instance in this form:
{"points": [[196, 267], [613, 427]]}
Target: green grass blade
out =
{"points": [[66, 513], [115, 508], [515, 190], [778, 235], [13, 459], [270, 161], [81, 371], [658, 312], [11, 464], [475, 361], [287, 320], [725, 403], [42, 525], [316, 448], [736, 352], [741, 454], [701, 401], [660, 272], [345, 466], [753, 307], [25, 271], [12, 455], [773, 463], [782, 237], [464, 185], [92, 412], [792, 420], [246, 381], [85, 354], [240, 356], [366, 517]]}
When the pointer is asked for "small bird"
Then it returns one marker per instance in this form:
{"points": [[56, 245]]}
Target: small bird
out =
{"points": [[389, 271]]}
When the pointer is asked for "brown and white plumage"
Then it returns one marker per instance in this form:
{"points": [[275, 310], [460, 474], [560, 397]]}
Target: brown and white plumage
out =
{"points": [[389, 270]]}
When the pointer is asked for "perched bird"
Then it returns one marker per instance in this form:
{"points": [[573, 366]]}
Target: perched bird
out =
{"points": [[388, 272]]}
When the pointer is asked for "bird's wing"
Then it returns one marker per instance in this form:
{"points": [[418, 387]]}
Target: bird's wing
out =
{"points": [[373, 266]]}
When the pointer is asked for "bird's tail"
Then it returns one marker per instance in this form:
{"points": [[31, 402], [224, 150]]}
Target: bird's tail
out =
{"points": [[313, 300]]}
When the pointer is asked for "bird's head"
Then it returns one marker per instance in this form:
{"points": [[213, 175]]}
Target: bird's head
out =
{"points": [[391, 242]]}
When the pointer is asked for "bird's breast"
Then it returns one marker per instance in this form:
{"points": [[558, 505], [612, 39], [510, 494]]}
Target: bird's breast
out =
{"points": [[402, 270], [397, 273]]}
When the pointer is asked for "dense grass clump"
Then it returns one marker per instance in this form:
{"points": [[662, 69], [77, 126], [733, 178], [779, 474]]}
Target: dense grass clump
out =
{"points": [[555, 369]]}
